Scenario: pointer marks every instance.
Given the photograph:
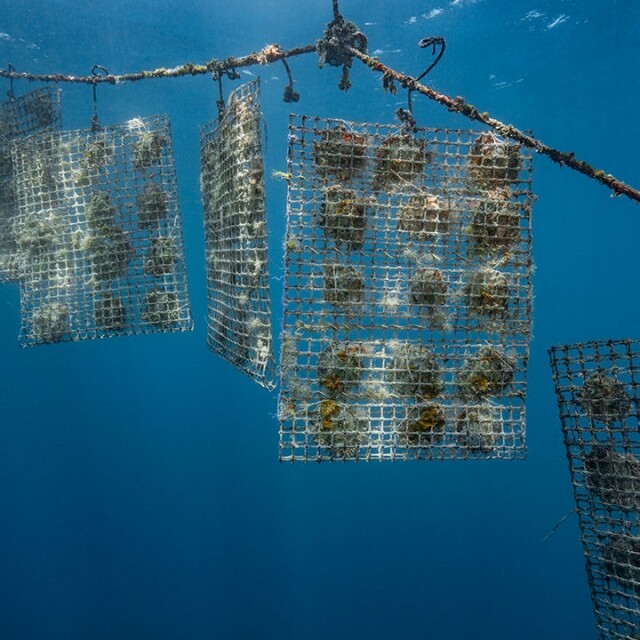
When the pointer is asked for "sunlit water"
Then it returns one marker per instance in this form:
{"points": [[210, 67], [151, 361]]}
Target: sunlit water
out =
{"points": [[140, 493]]}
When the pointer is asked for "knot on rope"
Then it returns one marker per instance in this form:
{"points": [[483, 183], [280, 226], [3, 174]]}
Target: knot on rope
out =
{"points": [[334, 48]]}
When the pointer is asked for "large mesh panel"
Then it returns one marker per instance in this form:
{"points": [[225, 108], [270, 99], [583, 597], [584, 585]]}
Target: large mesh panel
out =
{"points": [[239, 312], [35, 111], [407, 294], [597, 387], [99, 233]]}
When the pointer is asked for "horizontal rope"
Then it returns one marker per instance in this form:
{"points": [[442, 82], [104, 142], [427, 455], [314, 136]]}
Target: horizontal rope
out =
{"points": [[459, 105], [270, 53], [273, 53]]}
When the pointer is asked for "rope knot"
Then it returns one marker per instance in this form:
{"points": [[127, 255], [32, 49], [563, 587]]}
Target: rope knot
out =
{"points": [[334, 48]]}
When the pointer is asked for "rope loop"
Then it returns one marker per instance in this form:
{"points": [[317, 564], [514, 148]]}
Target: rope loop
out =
{"points": [[290, 94]]}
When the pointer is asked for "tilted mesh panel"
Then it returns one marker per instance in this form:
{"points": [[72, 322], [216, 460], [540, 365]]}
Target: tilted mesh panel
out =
{"points": [[597, 386], [35, 111], [407, 294], [99, 233], [239, 312]]}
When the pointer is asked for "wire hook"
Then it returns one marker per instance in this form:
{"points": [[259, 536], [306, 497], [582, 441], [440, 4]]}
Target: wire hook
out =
{"points": [[433, 42], [216, 75], [10, 94], [97, 71], [436, 41]]}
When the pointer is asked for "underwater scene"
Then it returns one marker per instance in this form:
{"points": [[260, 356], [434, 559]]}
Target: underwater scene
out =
{"points": [[319, 320]]}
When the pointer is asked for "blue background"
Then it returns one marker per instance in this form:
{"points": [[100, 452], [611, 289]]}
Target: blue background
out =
{"points": [[140, 493]]}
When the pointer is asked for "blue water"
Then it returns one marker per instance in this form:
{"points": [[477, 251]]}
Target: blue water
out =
{"points": [[140, 493]]}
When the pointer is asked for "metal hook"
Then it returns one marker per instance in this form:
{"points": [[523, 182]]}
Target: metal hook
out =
{"points": [[216, 75], [97, 71], [290, 94], [10, 94], [433, 42]]}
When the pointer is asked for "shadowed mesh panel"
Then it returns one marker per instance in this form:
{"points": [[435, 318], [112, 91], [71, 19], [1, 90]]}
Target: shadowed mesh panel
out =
{"points": [[597, 386], [239, 311], [35, 111], [407, 294], [99, 234]]}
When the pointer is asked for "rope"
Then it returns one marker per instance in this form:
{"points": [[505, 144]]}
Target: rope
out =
{"points": [[270, 53], [290, 94], [336, 9], [459, 105], [331, 53]]}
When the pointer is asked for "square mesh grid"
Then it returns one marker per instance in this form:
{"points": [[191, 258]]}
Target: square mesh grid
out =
{"points": [[35, 111], [597, 385], [239, 312], [407, 294], [99, 233]]}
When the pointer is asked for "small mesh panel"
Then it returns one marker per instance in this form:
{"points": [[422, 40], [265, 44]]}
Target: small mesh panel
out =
{"points": [[407, 294], [597, 385], [239, 312], [99, 233]]}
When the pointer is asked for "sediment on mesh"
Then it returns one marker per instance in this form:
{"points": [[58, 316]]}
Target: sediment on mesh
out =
{"points": [[597, 388], [232, 181], [407, 293], [98, 233], [36, 111]]}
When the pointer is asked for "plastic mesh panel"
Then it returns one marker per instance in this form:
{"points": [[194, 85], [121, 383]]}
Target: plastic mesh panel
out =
{"points": [[407, 294], [597, 385], [35, 111], [99, 233], [239, 312]]}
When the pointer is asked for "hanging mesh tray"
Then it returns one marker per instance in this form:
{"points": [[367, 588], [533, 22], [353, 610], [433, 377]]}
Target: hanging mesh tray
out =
{"points": [[407, 294], [99, 234], [597, 385], [239, 313], [33, 112]]}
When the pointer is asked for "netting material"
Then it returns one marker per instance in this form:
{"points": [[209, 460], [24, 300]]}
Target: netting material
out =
{"points": [[239, 312], [35, 111], [597, 385], [99, 233], [407, 294]]}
